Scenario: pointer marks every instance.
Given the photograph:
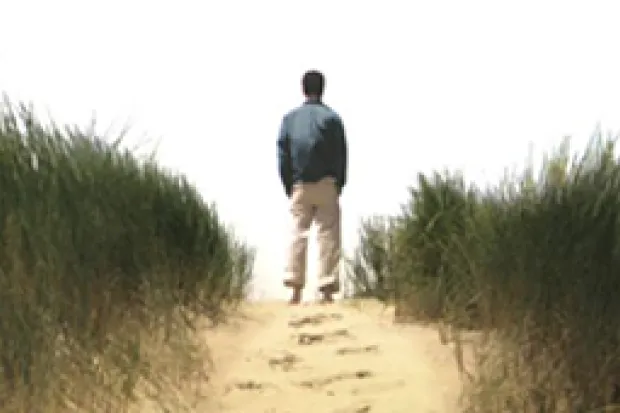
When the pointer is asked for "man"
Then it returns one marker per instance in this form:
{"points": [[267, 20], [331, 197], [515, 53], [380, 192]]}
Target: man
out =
{"points": [[312, 156]]}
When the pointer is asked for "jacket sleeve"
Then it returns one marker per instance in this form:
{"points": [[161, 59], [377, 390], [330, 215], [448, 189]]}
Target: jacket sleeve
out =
{"points": [[284, 157], [340, 146]]}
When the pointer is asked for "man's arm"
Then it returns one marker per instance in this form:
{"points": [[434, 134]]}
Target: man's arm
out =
{"points": [[284, 158], [340, 146]]}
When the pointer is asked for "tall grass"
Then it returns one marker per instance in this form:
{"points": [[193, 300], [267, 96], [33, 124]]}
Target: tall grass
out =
{"points": [[369, 271], [100, 255], [532, 264]]}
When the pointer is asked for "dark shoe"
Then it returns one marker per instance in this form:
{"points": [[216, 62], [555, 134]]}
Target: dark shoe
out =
{"points": [[329, 288], [326, 299], [296, 298], [328, 291], [290, 284]]}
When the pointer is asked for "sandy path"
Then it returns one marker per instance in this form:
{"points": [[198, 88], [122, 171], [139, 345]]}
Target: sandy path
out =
{"points": [[329, 359]]}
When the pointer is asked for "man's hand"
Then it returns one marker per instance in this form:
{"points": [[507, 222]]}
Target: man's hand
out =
{"points": [[284, 158]]}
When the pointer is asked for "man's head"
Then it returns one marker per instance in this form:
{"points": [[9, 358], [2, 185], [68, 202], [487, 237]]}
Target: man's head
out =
{"points": [[313, 84]]}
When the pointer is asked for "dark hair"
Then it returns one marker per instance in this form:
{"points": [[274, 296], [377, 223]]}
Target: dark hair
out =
{"points": [[313, 83]]}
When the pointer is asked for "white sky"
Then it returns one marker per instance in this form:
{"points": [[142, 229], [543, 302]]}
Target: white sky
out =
{"points": [[420, 86]]}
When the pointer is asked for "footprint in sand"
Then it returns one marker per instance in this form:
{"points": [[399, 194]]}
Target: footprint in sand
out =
{"points": [[315, 319], [321, 382], [286, 362], [249, 385], [305, 339], [362, 408], [373, 348]]}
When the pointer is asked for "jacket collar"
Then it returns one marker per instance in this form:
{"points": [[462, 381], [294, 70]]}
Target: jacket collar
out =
{"points": [[313, 101]]}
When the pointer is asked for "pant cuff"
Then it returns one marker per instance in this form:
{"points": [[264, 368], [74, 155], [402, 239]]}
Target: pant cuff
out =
{"points": [[329, 284], [293, 282]]}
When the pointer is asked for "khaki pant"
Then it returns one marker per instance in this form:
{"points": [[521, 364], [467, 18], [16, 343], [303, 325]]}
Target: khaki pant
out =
{"points": [[316, 202]]}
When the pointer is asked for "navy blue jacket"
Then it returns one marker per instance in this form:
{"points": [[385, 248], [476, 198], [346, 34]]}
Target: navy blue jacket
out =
{"points": [[311, 146]]}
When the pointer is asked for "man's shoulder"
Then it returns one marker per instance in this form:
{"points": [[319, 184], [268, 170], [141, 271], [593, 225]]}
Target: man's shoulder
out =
{"points": [[324, 111], [331, 114], [288, 115]]}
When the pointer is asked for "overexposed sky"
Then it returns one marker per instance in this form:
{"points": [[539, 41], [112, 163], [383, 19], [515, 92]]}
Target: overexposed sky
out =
{"points": [[420, 86]]}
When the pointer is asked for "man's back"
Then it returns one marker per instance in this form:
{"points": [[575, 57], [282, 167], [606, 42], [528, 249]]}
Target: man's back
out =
{"points": [[313, 142]]}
